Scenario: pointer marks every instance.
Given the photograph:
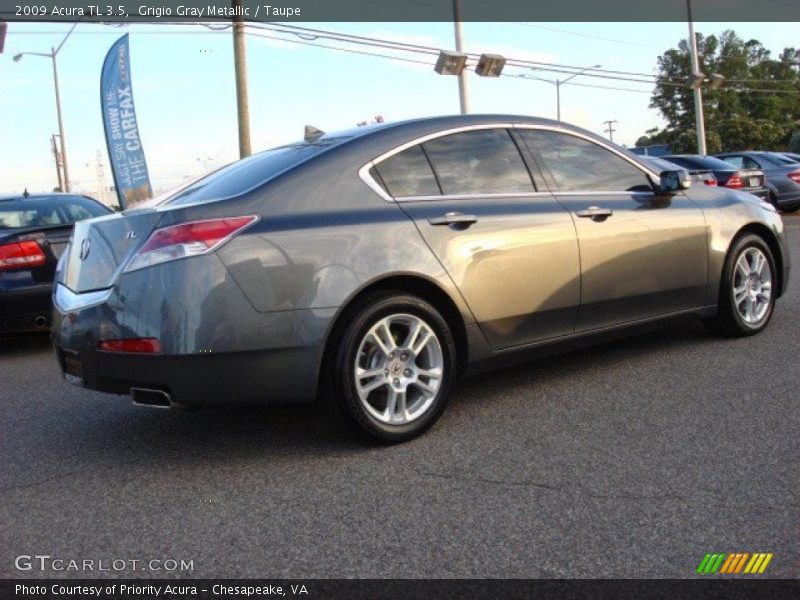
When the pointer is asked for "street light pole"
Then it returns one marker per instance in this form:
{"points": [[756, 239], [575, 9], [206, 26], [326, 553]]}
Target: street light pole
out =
{"points": [[698, 94], [559, 82], [60, 125], [52, 55], [240, 66], [463, 82]]}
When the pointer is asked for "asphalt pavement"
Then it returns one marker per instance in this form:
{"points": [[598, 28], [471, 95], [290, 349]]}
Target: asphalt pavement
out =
{"points": [[630, 459]]}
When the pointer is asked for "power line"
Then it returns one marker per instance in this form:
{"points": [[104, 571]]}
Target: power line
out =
{"points": [[308, 37], [494, 17]]}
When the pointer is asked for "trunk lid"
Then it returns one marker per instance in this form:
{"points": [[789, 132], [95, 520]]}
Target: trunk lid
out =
{"points": [[101, 246], [751, 179]]}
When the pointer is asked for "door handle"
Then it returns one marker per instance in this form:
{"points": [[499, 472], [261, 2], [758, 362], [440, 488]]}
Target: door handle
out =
{"points": [[454, 218], [595, 213]]}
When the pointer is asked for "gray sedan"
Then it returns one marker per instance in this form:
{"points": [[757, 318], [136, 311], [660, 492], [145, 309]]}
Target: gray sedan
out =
{"points": [[370, 268], [782, 175]]}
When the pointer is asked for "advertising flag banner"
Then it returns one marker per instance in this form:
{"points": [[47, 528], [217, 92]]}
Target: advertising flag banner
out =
{"points": [[125, 150]]}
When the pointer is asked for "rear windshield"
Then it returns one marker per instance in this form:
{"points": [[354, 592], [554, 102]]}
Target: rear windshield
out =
{"points": [[701, 162], [244, 175], [47, 211], [778, 159]]}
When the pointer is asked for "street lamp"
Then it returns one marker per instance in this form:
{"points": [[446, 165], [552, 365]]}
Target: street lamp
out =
{"points": [[52, 55], [559, 82]]}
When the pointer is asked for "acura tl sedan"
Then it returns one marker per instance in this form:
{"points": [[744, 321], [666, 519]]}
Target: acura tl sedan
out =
{"points": [[372, 267]]}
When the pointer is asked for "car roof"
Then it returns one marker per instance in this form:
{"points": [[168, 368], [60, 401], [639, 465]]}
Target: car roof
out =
{"points": [[452, 121]]}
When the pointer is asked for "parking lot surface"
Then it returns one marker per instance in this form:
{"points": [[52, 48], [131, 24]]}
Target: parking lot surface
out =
{"points": [[630, 459]]}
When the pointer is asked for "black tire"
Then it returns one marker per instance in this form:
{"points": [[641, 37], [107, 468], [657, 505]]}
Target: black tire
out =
{"points": [[340, 376], [729, 320]]}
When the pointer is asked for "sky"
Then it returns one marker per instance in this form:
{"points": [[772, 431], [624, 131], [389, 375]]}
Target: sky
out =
{"points": [[184, 88]]}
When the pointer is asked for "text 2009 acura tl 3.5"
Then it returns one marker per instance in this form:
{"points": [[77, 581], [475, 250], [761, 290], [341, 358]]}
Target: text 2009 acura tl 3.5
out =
{"points": [[374, 266]]}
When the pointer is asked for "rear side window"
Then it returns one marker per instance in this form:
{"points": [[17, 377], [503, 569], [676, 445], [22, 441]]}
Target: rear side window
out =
{"points": [[50, 211], [580, 165], [243, 175], [482, 161], [408, 174]]}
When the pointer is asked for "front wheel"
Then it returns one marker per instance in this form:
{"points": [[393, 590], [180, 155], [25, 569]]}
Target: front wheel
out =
{"points": [[748, 287], [394, 366]]}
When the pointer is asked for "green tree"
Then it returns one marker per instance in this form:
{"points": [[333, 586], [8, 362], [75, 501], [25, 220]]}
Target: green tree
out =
{"points": [[794, 142], [737, 116]]}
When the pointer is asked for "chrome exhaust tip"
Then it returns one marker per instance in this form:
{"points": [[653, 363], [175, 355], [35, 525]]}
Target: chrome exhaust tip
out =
{"points": [[40, 321], [151, 398]]}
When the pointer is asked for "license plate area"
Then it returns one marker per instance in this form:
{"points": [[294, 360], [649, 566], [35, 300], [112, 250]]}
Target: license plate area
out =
{"points": [[73, 369], [755, 182]]}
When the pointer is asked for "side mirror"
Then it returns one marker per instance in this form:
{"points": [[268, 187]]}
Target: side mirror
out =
{"points": [[673, 181]]}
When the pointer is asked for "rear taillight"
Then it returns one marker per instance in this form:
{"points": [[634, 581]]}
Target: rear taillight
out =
{"points": [[711, 181], [734, 182], [136, 345], [794, 176], [21, 255], [187, 239]]}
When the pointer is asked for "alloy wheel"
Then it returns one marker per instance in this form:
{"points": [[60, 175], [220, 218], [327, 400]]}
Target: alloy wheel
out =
{"points": [[398, 369], [752, 285]]}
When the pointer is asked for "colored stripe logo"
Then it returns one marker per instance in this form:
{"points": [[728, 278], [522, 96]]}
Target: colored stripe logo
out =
{"points": [[734, 562]]}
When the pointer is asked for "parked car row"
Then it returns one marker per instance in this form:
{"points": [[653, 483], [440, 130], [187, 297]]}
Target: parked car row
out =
{"points": [[772, 176]]}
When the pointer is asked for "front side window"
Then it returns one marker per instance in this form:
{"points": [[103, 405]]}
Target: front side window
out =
{"points": [[736, 161], [481, 161], [408, 173], [578, 165]]}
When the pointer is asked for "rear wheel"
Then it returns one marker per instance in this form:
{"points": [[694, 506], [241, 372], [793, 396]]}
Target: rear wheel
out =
{"points": [[394, 366], [748, 287]]}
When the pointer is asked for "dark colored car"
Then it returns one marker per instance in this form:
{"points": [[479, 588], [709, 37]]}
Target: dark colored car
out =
{"points": [[782, 175], [34, 231], [745, 180], [699, 176], [791, 156], [372, 267]]}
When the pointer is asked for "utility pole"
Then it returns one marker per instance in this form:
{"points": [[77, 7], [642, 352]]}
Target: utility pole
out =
{"points": [[463, 82], [698, 94], [610, 129], [58, 162], [240, 66]]}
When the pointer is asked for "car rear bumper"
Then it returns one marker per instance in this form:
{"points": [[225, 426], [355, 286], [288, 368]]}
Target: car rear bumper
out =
{"points": [[26, 309], [788, 199], [216, 349], [234, 378]]}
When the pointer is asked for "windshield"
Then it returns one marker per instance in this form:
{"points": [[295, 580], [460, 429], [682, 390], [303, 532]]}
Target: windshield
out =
{"points": [[47, 211], [244, 175]]}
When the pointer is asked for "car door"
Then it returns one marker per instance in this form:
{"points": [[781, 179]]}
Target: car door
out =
{"points": [[642, 255], [512, 252]]}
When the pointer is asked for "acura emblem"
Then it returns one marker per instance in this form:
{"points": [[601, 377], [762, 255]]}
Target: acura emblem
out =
{"points": [[85, 246]]}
